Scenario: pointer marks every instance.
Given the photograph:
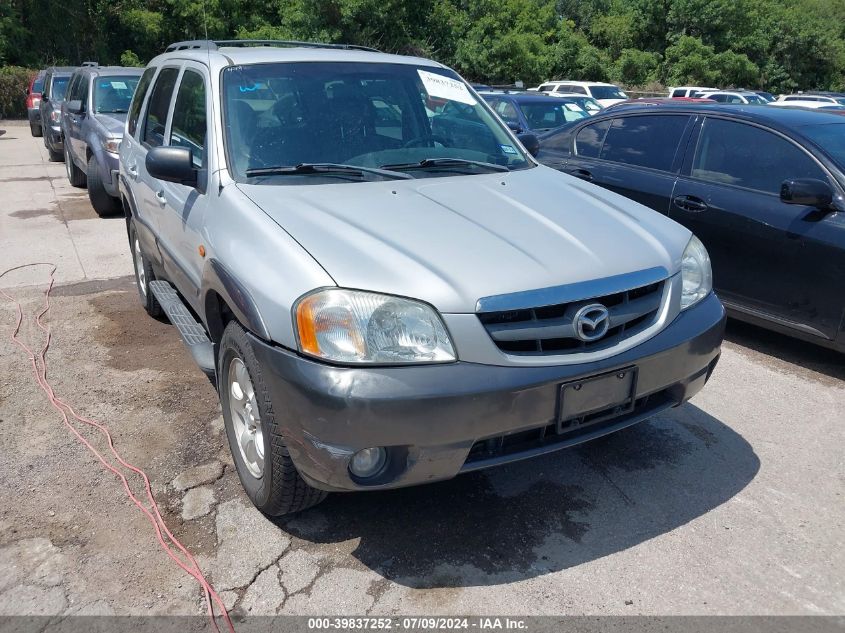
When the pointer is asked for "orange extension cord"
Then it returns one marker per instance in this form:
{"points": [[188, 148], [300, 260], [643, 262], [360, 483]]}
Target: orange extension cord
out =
{"points": [[40, 372]]}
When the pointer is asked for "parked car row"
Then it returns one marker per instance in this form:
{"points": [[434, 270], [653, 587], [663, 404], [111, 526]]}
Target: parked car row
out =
{"points": [[761, 187], [81, 115]]}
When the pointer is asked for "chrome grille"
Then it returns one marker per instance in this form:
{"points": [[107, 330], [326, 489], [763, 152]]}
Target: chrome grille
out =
{"points": [[550, 329]]}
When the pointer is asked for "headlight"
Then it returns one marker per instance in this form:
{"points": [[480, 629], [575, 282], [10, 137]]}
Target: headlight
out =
{"points": [[111, 145], [351, 326], [696, 274]]}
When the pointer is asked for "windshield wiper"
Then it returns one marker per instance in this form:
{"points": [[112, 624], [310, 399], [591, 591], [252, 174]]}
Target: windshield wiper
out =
{"points": [[323, 168], [447, 162]]}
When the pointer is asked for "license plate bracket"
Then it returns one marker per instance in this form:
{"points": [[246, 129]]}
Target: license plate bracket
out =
{"points": [[613, 392]]}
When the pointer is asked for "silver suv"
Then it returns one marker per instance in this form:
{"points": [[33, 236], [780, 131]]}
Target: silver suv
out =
{"points": [[384, 285]]}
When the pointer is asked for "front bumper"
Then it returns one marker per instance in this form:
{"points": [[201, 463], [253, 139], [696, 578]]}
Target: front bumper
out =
{"points": [[440, 420], [53, 138], [110, 174]]}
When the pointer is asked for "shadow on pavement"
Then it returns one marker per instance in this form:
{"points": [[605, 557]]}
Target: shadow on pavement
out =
{"points": [[542, 515], [786, 349]]}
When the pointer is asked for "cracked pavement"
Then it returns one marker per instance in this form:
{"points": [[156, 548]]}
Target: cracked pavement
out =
{"points": [[731, 504]]}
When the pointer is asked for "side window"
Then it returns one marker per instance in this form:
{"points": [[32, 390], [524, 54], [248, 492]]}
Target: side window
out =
{"points": [[590, 138], [546, 88], [156, 118], [679, 93], [73, 90], [576, 89], [84, 80], [645, 141], [188, 128], [746, 156], [138, 99], [507, 111], [557, 142]]}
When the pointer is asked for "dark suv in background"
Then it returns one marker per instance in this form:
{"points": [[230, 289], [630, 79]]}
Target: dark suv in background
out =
{"points": [[93, 118], [763, 188], [56, 80]]}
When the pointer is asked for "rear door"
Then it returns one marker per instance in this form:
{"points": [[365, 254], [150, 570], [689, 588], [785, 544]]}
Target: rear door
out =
{"points": [[770, 259], [636, 156]]}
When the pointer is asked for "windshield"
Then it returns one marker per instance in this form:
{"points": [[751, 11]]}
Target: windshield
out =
{"points": [[756, 99], [362, 114], [831, 138], [113, 93], [545, 116], [57, 91], [607, 92]]}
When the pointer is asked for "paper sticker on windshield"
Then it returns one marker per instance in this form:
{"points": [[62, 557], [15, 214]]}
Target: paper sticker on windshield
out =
{"points": [[118, 85], [574, 107], [446, 88], [508, 149]]}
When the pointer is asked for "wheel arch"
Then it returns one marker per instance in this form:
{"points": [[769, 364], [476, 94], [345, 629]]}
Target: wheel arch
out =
{"points": [[224, 299]]}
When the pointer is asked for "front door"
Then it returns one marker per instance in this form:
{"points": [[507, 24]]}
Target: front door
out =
{"points": [[183, 211], [769, 258]]}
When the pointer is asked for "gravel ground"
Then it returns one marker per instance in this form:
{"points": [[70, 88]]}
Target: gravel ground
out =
{"points": [[731, 504]]}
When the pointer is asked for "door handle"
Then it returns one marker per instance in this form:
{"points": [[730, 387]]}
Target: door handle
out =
{"points": [[162, 199], [583, 174], [132, 170], [690, 203]]}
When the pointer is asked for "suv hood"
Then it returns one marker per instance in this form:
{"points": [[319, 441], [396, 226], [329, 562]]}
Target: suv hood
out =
{"points": [[113, 123], [452, 240]]}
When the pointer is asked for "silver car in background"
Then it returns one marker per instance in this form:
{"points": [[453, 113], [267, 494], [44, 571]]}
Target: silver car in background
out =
{"points": [[384, 285]]}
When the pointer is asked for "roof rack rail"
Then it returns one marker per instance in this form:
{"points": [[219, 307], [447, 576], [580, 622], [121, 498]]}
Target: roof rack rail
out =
{"points": [[215, 44]]}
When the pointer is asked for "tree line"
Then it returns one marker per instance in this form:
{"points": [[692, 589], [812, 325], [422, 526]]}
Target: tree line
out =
{"points": [[778, 45]]}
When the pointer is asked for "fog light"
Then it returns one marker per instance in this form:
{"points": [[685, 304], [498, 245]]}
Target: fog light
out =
{"points": [[368, 462]]}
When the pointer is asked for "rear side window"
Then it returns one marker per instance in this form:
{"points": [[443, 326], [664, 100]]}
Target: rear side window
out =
{"points": [[156, 119], [188, 128], [576, 89], [73, 88], [138, 99], [743, 155], [679, 93], [645, 141], [590, 138]]}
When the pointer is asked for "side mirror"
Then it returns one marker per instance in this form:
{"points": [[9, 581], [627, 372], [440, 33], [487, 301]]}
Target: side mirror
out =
{"points": [[515, 128], [75, 106], [172, 164], [808, 192], [530, 142]]}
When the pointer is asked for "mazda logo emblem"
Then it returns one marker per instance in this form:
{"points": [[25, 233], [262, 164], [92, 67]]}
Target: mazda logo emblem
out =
{"points": [[591, 322]]}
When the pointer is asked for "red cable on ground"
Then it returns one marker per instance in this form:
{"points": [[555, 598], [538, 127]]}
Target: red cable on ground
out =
{"points": [[154, 516]]}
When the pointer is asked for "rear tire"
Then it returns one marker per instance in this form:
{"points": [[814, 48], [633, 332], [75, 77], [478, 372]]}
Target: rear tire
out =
{"points": [[75, 175], [143, 274], [35, 129], [280, 488], [103, 203]]}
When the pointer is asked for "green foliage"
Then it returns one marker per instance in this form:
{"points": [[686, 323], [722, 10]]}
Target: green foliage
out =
{"points": [[781, 45], [14, 81]]}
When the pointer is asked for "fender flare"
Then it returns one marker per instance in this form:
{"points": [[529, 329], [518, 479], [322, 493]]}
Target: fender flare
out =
{"points": [[217, 278]]}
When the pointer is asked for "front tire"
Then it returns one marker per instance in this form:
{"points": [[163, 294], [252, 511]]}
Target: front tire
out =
{"points": [[103, 203], [261, 457], [143, 274], [75, 175]]}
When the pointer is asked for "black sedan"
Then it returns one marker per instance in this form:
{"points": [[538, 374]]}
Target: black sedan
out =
{"points": [[763, 188]]}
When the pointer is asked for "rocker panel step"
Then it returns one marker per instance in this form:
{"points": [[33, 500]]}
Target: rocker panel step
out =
{"points": [[192, 333]]}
